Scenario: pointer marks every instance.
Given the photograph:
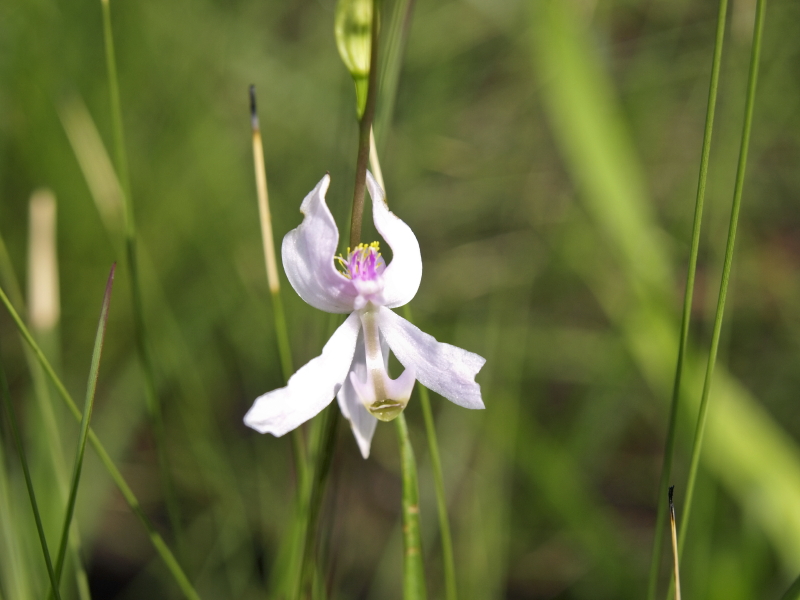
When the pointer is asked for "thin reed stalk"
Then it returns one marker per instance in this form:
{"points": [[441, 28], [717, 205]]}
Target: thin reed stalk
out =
{"points": [[669, 450], [270, 261], [142, 348], [755, 55], [300, 528], [675, 557], [127, 493]]}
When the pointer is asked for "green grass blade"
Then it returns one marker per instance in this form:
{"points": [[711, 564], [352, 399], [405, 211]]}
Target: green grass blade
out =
{"points": [[755, 54], [145, 358], [413, 568], [130, 498], [448, 560], [666, 468], [4, 391], [85, 420]]}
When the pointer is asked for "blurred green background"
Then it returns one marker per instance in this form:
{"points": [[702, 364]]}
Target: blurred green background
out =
{"points": [[546, 155]]}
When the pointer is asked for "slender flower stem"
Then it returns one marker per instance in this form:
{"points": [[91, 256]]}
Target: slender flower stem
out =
{"points": [[675, 557], [666, 468], [4, 391], [755, 54], [91, 387], [145, 359], [127, 493], [364, 130], [413, 568]]}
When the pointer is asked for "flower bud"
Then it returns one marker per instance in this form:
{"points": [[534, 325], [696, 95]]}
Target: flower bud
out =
{"points": [[353, 28]]}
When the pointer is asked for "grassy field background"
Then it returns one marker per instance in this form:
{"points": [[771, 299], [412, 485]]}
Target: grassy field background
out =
{"points": [[546, 155]]}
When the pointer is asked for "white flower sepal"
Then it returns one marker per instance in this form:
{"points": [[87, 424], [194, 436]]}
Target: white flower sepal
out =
{"points": [[353, 364]]}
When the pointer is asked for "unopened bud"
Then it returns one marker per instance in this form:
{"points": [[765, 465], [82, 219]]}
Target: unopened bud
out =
{"points": [[353, 28]]}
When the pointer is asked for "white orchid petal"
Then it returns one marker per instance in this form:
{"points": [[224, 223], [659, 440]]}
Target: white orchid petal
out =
{"points": [[445, 369], [361, 421], [308, 252], [310, 389], [403, 275]]}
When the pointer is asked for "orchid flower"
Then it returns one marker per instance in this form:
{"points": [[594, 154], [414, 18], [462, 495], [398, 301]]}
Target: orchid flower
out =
{"points": [[354, 362]]}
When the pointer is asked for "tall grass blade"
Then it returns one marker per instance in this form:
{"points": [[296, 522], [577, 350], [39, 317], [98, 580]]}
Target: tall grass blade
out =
{"points": [[755, 55], [12, 419], [666, 468], [413, 568], [91, 387], [130, 498], [142, 348]]}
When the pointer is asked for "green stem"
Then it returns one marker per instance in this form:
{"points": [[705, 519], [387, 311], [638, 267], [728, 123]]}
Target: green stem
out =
{"points": [[145, 359], [413, 569], [666, 469], [91, 387], [130, 498], [4, 391], [364, 128], [450, 587], [755, 54]]}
